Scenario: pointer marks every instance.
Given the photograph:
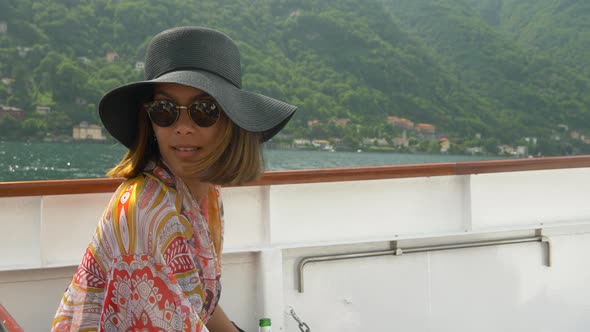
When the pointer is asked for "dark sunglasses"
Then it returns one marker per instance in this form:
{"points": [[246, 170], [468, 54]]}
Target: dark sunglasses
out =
{"points": [[164, 113]]}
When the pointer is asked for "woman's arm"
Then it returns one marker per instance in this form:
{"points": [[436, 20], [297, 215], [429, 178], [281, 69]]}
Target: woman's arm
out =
{"points": [[220, 323]]}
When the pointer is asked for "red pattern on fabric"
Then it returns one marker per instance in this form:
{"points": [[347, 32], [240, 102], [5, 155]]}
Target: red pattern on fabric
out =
{"points": [[177, 256], [140, 300], [90, 272]]}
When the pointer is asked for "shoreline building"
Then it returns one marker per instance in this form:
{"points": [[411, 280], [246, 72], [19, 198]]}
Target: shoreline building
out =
{"points": [[15, 112], [86, 131]]}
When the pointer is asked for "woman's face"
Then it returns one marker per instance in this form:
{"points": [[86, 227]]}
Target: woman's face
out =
{"points": [[183, 143]]}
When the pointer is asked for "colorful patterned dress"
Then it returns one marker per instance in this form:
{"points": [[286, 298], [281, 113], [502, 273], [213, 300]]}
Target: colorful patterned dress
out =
{"points": [[152, 264]]}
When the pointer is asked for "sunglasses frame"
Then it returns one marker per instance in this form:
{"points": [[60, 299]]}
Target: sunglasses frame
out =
{"points": [[150, 107]]}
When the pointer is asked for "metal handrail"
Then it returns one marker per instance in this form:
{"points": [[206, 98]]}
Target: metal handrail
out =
{"points": [[399, 251]]}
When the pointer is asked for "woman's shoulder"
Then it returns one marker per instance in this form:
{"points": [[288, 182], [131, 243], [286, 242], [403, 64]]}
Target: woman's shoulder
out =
{"points": [[138, 208], [138, 186], [141, 192]]}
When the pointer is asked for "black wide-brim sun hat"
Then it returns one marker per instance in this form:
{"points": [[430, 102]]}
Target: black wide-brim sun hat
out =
{"points": [[201, 58]]}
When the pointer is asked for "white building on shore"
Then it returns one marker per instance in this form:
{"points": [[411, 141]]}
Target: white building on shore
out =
{"points": [[85, 131]]}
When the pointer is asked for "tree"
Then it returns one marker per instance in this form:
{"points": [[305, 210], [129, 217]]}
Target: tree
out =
{"points": [[70, 82], [34, 127], [59, 123], [9, 127]]}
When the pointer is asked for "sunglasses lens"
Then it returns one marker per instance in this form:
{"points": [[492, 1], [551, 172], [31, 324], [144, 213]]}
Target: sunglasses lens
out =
{"points": [[204, 113], [163, 113]]}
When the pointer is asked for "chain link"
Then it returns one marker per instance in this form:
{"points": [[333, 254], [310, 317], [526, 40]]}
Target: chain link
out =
{"points": [[302, 325]]}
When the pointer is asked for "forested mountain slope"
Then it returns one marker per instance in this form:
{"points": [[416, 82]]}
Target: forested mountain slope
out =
{"points": [[500, 68]]}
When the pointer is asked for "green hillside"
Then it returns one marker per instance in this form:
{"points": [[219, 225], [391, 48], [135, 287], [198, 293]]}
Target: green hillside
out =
{"points": [[520, 92], [559, 29], [501, 70]]}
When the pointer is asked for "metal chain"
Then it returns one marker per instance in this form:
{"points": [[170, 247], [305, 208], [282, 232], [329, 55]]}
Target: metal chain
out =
{"points": [[302, 325]]}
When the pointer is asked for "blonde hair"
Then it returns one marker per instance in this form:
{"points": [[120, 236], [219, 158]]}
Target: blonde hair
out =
{"points": [[236, 159]]}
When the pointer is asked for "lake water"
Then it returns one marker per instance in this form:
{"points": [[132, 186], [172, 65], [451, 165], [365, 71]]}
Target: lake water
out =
{"points": [[39, 161]]}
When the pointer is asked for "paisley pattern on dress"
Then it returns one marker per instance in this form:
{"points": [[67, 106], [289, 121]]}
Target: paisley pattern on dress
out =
{"points": [[152, 264]]}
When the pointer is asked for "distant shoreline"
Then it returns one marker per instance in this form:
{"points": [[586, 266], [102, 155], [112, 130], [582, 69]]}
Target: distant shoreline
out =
{"points": [[276, 147]]}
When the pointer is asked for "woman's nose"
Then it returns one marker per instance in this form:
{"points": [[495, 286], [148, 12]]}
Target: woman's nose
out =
{"points": [[184, 124]]}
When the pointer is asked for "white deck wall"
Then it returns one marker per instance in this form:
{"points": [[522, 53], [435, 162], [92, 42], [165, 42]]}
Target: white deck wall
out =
{"points": [[270, 228]]}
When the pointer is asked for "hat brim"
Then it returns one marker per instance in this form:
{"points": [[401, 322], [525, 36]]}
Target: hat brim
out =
{"points": [[251, 111]]}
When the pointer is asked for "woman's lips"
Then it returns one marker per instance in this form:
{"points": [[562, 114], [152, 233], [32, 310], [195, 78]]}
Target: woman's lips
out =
{"points": [[186, 151]]}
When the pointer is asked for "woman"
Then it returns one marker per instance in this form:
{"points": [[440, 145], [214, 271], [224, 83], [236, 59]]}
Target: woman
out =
{"points": [[154, 261]]}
